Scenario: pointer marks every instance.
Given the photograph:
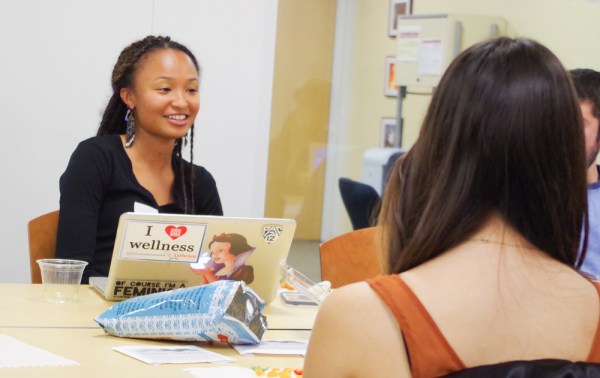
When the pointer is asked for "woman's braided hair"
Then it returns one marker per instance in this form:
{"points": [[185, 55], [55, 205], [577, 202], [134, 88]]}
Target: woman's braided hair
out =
{"points": [[113, 119]]}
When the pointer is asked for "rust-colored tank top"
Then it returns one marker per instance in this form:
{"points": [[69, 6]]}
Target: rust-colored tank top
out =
{"points": [[430, 354]]}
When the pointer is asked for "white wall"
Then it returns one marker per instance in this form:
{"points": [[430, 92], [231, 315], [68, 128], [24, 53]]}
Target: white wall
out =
{"points": [[335, 217], [57, 58]]}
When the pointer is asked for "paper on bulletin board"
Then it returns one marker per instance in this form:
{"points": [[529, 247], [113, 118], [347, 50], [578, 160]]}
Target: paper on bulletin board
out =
{"points": [[430, 57], [408, 43]]}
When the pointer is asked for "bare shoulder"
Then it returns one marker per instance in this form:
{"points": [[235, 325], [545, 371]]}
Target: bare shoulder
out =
{"points": [[355, 304], [352, 320], [357, 294]]}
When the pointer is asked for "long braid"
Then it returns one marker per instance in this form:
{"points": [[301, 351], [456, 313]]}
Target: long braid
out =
{"points": [[113, 118], [180, 167], [192, 178], [186, 175]]}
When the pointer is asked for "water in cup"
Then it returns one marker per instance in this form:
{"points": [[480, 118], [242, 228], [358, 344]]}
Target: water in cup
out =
{"points": [[61, 278], [61, 292]]}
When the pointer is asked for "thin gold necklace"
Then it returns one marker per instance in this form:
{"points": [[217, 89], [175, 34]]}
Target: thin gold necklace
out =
{"points": [[489, 241]]}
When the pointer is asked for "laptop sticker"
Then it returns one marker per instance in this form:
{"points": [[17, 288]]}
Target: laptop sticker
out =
{"points": [[175, 232], [271, 232], [227, 259], [125, 288], [156, 241]]}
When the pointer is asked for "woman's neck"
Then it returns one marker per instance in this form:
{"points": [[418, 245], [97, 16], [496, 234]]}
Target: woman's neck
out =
{"points": [[494, 253], [592, 174], [496, 231]]}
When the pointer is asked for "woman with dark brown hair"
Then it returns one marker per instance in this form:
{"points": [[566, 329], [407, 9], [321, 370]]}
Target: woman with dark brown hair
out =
{"points": [[481, 223]]}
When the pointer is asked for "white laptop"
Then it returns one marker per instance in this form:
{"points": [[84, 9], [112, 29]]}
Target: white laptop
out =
{"points": [[160, 252]]}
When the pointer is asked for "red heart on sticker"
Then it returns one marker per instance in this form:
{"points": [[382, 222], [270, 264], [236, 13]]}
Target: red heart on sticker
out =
{"points": [[175, 232]]}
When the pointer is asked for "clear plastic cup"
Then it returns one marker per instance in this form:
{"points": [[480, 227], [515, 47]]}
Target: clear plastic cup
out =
{"points": [[61, 278]]}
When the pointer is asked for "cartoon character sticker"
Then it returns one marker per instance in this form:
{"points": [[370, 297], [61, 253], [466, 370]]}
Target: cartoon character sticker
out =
{"points": [[228, 255]]}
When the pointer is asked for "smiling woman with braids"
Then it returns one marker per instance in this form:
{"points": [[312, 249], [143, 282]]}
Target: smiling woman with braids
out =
{"points": [[135, 161]]}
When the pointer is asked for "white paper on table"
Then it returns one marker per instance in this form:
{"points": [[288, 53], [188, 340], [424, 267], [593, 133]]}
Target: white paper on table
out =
{"points": [[222, 371], [16, 354], [274, 347], [183, 354]]}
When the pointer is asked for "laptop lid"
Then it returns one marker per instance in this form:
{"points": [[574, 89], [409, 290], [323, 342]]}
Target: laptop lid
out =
{"points": [[159, 252]]}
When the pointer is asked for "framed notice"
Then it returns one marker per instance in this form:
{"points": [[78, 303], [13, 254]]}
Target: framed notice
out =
{"points": [[391, 134], [390, 87], [397, 8]]}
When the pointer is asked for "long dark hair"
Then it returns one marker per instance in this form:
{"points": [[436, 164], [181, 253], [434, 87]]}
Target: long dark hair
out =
{"points": [[503, 134], [113, 119]]}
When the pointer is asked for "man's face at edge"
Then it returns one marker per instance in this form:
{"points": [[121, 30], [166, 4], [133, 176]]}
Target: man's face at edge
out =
{"points": [[591, 127]]}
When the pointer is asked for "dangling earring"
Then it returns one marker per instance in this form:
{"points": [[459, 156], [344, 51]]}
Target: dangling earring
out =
{"points": [[130, 130]]}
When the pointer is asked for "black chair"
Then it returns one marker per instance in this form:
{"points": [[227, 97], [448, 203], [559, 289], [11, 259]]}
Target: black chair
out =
{"points": [[361, 202], [549, 368]]}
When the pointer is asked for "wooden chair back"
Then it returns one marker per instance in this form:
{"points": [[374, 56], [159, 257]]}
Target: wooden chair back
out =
{"points": [[351, 257], [42, 241]]}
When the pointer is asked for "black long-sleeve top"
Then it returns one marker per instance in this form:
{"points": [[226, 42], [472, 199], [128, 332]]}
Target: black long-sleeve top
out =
{"points": [[98, 186]]}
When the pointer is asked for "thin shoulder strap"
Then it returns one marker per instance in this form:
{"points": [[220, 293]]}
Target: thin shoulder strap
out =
{"points": [[594, 355], [430, 354]]}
